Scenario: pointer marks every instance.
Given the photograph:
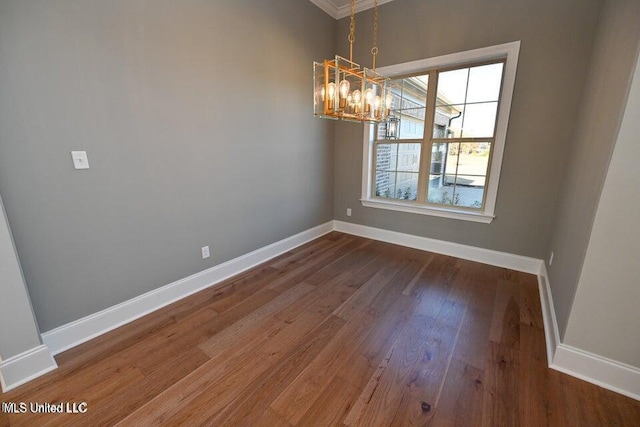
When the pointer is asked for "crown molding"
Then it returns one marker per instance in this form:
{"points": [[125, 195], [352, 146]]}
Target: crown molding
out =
{"points": [[344, 11]]}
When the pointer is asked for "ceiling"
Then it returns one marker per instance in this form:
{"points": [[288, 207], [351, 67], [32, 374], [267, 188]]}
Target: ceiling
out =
{"points": [[341, 8]]}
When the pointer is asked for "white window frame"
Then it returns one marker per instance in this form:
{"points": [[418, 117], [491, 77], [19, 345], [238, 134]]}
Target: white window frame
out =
{"points": [[509, 53]]}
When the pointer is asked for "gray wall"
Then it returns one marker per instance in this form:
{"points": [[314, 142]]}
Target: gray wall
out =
{"points": [[609, 288], [18, 329], [604, 97], [196, 119], [557, 38]]}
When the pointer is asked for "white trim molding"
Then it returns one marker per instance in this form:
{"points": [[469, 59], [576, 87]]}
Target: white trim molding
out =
{"points": [[94, 325], [338, 12], [599, 370], [551, 333], [610, 374], [24, 367], [427, 210], [472, 253]]}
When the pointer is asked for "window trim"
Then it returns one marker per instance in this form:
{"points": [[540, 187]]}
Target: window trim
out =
{"points": [[508, 52]]}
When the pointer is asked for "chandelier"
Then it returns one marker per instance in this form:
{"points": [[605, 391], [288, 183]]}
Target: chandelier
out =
{"points": [[344, 90]]}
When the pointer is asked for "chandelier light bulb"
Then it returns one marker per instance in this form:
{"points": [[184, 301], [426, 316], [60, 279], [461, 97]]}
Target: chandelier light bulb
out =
{"points": [[357, 98], [344, 91], [377, 103], [331, 96], [344, 88], [331, 89], [368, 97]]}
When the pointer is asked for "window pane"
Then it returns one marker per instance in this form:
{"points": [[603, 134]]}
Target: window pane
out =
{"points": [[479, 119], [473, 158], [484, 83], [412, 124], [408, 157], [407, 186], [397, 168], [469, 191], [451, 161], [408, 101], [449, 179], [385, 184], [438, 158], [470, 180], [452, 87], [448, 120], [414, 91], [458, 173], [386, 156], [441, 189]]}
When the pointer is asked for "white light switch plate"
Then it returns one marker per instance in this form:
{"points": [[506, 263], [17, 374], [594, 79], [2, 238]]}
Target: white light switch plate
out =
{"points": [[80, 159], [205, 252]]}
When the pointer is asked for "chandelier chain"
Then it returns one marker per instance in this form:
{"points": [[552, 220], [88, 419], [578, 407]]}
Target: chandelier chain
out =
{"points": [[374, 49], [352, 29]]}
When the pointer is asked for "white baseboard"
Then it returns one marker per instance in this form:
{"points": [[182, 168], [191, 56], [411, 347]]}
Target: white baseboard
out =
{"points": [[24, 367], [599, 370], [472, 253], [82, 330], [551, 332], [596, 369]]}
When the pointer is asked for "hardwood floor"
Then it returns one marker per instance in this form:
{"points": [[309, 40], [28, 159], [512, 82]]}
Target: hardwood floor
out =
{"points": [[342, 330]]}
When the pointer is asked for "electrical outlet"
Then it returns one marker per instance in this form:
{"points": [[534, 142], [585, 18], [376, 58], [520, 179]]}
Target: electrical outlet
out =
{"points": [[348, 211], [205, 252], [80, 159], [551, 259]]}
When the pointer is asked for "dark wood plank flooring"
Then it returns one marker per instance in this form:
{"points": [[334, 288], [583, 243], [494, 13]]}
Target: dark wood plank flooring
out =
{"points": [[340, 331]]}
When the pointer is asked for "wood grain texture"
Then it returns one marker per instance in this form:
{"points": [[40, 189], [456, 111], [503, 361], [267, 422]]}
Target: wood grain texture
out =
{"points": [[340, 331], [332, 405]]}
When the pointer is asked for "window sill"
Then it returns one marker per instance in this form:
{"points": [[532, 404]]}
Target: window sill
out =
{"points": [[424, 210]]}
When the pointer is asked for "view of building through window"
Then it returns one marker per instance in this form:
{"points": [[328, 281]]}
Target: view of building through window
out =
{"points": [[456, 154]]}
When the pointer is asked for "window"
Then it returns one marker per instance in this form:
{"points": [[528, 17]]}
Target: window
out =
{"points": [[441, 152]]}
